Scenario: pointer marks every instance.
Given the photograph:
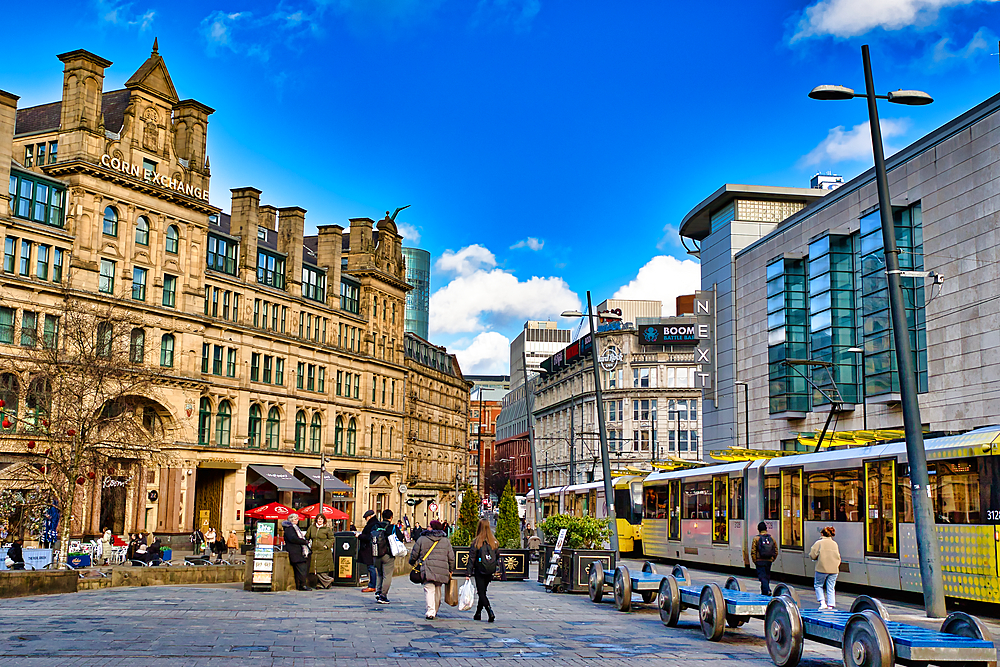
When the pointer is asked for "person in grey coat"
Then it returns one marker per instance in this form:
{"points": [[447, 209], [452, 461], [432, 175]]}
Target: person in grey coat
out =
{"points": [[437, 566]]}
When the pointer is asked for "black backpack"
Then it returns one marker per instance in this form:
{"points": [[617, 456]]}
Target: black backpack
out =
{"points": [[487, 559], [380, 541], [766, 548]]}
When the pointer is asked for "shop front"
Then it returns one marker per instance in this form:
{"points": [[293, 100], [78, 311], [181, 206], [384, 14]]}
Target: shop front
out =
{"points": [[271, 484], [337, 493]]}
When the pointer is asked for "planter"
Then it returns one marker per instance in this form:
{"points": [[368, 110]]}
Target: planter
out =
{"points": [[513, 563], [573, 567]]}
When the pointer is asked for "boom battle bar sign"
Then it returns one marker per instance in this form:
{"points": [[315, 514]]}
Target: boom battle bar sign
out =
{"points": [[672, 334], [154, 177]]}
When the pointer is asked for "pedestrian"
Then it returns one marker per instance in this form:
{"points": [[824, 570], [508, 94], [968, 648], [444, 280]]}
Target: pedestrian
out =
{"points": [[438, 556], [297, 547], [826, 553], [107, 542], [219, 547], [232, 544], [321, 563], [365, 550], [210, 537], [385, 562], [197, 540], [534, 542], [484, 555], [763, 551], [16, 555], [417, 531]]}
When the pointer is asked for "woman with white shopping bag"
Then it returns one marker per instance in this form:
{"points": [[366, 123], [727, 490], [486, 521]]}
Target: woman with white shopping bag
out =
{"points": [[433, 559], [484, 557]]}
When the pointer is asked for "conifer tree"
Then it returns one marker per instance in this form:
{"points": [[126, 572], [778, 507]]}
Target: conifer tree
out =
{"points": [[508, 524]]}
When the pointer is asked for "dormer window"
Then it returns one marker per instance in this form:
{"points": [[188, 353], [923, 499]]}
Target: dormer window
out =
{"points": [[270, 269], [35, 199], [262, 233]]}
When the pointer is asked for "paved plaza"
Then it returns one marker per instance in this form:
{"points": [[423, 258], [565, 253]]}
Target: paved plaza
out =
{"points": [[224, 625]]}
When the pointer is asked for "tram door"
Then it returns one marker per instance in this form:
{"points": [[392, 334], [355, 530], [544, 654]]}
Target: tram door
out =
{"points": [[720, 509], [880, 519], [791, 508], [674, 529]]}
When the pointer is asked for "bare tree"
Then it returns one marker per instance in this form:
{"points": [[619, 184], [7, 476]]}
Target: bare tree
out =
{"points": [[81, 405]]}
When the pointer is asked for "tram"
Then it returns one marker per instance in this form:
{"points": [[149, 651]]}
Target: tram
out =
{"points": [[588, 500], [710, 515]]}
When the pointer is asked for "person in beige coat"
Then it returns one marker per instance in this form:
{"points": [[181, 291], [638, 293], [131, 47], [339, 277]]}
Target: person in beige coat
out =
{"points": [[826, 553]]}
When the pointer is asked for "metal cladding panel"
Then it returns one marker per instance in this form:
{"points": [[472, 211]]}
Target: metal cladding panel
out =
{"points": [[850, 538], [884, 573], [969, 561], [696, 533], [794, 562], [655, 542], [739, 543]]}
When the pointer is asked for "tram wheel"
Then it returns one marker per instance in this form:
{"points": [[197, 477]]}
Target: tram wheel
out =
{"points": [[623, 589], [712, 612], [669, 601], [649, 567], [680, 573], [965, 625], [788, 591], [867, 603], [595, 586], [732, 584], [866, 642], [783, 632]]}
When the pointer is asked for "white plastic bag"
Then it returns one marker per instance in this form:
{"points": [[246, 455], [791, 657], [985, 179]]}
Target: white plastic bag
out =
{"points": [[396, 545], [465, 595]]}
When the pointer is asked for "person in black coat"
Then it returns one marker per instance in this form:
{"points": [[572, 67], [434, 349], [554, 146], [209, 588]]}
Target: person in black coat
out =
{"points": [[297, 547], [484, 557], [365, 550], [15, 554]]}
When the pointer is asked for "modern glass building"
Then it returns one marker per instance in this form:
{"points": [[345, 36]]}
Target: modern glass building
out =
{"points": [[418, 274]]}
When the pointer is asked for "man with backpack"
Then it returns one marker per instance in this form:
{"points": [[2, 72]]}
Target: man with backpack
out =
{"points": [[763, 551], [384, 561]]}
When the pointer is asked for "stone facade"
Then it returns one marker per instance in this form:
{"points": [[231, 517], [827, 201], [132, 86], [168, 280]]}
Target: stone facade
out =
{"points": [[437, 408], [282, 346]]}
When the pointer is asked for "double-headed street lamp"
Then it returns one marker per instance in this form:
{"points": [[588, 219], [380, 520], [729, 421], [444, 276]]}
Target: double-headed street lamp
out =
{"points": [[609, 487], [927, 542]]}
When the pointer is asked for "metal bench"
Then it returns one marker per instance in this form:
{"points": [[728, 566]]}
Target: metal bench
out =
{"points": [[868, 638], [623, 583], [717, 606]]}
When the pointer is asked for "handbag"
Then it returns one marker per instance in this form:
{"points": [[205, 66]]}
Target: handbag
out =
{"points": [[451, 592], [417, 571]]}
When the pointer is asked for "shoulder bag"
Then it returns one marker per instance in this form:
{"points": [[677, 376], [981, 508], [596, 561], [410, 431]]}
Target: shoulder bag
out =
{"points": [[417, 572]]}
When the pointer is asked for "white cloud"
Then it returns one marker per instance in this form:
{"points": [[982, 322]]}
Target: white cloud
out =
{"points": [[979, 44], [218, 27], [410, 234], [518, 14], [531, 243], [120, 14], [663, 278], [854, 144], [671, 237], [481, 294], [466, 261], [489, 353], [849, 18]]}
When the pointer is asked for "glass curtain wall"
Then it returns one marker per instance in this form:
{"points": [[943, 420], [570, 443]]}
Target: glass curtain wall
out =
{"points": [[787, 334]]}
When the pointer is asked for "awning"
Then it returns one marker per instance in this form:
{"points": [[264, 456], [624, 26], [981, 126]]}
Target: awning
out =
{"points": [[280, 477], [330, 483]]}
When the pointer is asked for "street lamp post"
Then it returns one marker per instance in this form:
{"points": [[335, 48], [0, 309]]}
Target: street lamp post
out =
{"points": [[609, 487], [864, 388], [746, 410], [928, 550]]}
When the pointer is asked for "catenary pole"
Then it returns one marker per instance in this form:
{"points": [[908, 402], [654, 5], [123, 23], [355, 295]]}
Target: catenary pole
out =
{"points": [[928, 550], [529, 409], [609, 486]]}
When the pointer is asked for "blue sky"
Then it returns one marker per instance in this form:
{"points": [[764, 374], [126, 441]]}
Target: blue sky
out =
{"points": [[545, 147]]}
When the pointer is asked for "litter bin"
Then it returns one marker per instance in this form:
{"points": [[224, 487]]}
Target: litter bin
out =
{"points": [[345, 556]]}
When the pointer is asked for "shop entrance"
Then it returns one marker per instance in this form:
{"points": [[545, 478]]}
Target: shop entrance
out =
{"points": [[113, 504], [208, 497]]}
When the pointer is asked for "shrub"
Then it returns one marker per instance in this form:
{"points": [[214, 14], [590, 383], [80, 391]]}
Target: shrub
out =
{"points": [[468, 519], [582, 532]]}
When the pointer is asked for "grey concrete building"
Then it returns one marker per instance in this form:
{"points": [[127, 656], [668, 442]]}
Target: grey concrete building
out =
{"points": [[799, 274]]}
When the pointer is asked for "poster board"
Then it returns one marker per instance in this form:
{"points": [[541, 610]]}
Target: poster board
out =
{"points": [[263, 556], [554, 561]]}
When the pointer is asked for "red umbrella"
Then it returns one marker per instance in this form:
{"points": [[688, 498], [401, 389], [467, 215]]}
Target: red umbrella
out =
{"points": [[329, 512], [271, 511]]}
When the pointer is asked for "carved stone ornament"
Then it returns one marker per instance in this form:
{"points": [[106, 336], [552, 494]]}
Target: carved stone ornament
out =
{"points": [[150, 137]]}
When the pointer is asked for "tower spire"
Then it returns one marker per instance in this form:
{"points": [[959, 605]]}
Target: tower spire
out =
{"points": [[156, 46]]}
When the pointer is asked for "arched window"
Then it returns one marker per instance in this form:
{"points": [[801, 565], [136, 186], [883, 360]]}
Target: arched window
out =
{"points": [[300, 431], [273, 427], [105, 337], [10, 392], [173, 239], [204, 421], [142, 231], [167, 351], [137, 346], [254, 425], [223, 424], [352, 437], [315, 429], [111, 221], [338, 436], [39, 401]]}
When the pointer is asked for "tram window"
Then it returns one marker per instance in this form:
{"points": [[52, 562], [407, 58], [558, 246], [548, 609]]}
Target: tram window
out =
{"points": [[904, 494], [720, 522], [956, 491], [656, 502], [791, 508], [834, 496], [697, 500], [736, 500], [772, 497]]}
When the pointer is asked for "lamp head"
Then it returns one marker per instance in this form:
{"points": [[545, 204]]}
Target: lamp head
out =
{"points": [[827, 92], [910, 97], [571, 313]]}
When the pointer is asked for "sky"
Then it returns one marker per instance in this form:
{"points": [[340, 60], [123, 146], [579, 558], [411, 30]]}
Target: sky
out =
{"points": [[545, 147]]}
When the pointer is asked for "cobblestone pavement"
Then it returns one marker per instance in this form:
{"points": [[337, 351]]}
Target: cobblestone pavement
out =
{"points": [[224, 625]]}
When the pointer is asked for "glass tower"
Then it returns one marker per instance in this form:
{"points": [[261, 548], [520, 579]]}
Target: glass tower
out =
{"points": [[418, 274]]}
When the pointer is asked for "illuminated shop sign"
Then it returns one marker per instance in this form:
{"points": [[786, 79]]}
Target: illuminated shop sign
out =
{"points": [[673, 334], [148, 176]]}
